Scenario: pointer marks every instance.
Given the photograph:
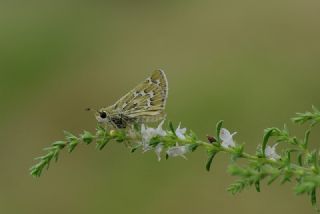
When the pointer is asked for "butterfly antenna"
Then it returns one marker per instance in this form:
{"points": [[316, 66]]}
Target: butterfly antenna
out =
{"points": [[91, 109]]}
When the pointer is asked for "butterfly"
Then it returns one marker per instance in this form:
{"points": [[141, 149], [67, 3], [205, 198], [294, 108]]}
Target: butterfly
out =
{"points": [[145, 103]]}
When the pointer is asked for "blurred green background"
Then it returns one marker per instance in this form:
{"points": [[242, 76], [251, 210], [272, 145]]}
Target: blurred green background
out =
{"points": [[252, 63]]}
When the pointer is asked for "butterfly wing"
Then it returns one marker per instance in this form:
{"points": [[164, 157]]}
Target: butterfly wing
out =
{"points": [[146, 102]]}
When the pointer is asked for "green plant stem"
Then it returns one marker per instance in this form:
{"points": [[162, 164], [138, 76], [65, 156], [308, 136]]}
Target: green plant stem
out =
{"points": [[304, 170], [250, 157]]}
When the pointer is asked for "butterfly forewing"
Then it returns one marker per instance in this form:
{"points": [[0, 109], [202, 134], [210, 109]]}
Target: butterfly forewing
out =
{"points": [[144, 103]]}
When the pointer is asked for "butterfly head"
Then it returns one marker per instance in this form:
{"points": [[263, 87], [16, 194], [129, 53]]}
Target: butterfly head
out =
{"points": [[102, 116]]}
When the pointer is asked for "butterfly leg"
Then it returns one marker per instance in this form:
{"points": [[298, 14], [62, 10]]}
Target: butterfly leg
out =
{"points": [[119, 122]]}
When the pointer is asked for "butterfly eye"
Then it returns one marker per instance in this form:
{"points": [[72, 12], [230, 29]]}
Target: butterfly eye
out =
{"points": [[103, 115]]}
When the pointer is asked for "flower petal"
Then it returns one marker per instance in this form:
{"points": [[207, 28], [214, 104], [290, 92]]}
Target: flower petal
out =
{"points": [[271, 153], [158, 150], [227, 138], [178, 151], [160, 131], [180, 132]]}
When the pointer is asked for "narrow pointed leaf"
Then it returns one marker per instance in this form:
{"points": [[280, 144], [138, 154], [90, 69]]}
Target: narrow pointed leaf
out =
{"points": [[210, 159]]}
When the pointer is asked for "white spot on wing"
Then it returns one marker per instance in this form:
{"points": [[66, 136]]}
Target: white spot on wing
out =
{"points": [[151, 94], [149, 81], [135, 94], [142, 93]]}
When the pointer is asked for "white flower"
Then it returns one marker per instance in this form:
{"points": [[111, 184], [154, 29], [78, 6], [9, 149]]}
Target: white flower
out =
{"points": [[160, 131], [158, 150], [180, 132], [148, 133], [178, 151], [271, 153], [227, 138]]}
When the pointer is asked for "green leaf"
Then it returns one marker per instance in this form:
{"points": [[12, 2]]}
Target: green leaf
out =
{"points": [[101, 132], [300, 161], [69, 136], [287, 176], [285, 180], [313, 197], [193, 147], [237, 186], [212, 154], [288, 156], [193, 135], [60, 144], [155, 141], [102, 142], [237, 152], [56, 155], [312, 117], [72, 145], [257, 185], [267, 134], [315, 161], [172, 128], [304, 187], [306, 138], [134, 149], [218, 128], [87, 137], [273, 178], [295, 141], [102, 138], [119, 136]]}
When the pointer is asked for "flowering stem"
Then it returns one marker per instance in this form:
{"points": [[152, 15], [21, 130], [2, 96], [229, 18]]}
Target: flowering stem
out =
{"points": [[266, 164]]}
